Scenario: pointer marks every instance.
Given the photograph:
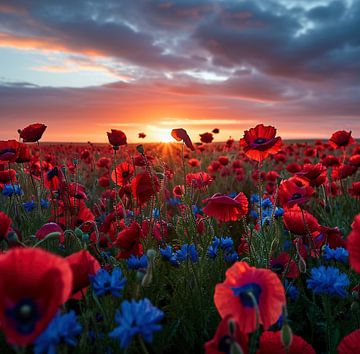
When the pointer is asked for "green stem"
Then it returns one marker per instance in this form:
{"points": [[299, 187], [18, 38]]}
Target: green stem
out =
{"points": [[142, 345]]}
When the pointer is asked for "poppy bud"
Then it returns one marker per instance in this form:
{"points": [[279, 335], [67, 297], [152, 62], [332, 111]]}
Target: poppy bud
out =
{"points": [[354, 307], [286, 336], [78, 232]]}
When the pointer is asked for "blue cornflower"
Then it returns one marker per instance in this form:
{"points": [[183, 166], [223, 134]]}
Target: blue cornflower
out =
{"points": [[103, 283], [187, 252], [174, 201], [10, 189], [44, 203], [226, 243], [231, 257], [279, 212], [63, 328], [328, 281], [254, 198], [196, 210], [291, 290], [156, 213], [136, 317], [137, 262], [266, 204], [254, 214], [29, 206], [168, 254], [232, 195], [339, 254]]}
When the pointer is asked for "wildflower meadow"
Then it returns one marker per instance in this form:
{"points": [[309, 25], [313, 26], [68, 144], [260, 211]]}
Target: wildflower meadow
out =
{"points": [[196, 246]]}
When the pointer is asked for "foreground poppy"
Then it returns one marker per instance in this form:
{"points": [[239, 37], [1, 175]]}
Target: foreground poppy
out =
{"points": [[227, 337], [124, 171], [144, 186], [259, 142], [247, 290], [180, 134], [270, 343], [128, 240], [33, 284], [224, 208], [300, 222], [350, 344], [9, 151], [353, 244], [341, 139], [294, 190], [32, 133], [116, 138]]}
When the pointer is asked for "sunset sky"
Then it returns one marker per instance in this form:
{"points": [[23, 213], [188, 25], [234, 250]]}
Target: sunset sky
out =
{"points": [[84, 67]]}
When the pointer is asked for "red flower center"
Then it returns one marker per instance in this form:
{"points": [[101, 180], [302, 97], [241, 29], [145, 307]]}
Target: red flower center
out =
{"points": [[24, 315]]}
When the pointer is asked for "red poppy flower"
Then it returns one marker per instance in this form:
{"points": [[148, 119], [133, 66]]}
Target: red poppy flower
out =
{"points": [[284, 265], [224, 160], [294, 190], [224, 208], [341, 139], [332, 236], [9, 151], [194, 163], [355, 160], [142, 135], [198, 180], [178, 191], [124, 171], [350, 344], [260, 141], [206, 138], [353, 244], [142, 160], [24, 154], [7, 176], [49, 228], [270, 343], [216, 130], [116, 138], [315, 174], [33, 284], [227, 336], [128, 240], [293, 167], [82, 264], [180, 134], [32, 132], [104, 181], [247, 290], [300, 222], [5, 225], [354, 190], [144, 186]]}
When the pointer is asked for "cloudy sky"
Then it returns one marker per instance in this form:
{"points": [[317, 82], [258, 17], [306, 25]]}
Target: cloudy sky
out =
{"points": [[84, 67]]}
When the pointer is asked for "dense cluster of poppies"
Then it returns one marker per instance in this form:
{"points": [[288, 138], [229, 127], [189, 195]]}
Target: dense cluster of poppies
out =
{"points": [[186, 247]]}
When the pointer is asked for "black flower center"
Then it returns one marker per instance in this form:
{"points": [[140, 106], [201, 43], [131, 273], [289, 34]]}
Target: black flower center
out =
{"points": [[260, 141], [249, 294], [224, 344], [125, 174], [24, 316], [296, 196]]}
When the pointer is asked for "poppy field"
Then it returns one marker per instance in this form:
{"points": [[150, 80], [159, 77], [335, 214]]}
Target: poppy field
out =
{"points": [[197, 246]]}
